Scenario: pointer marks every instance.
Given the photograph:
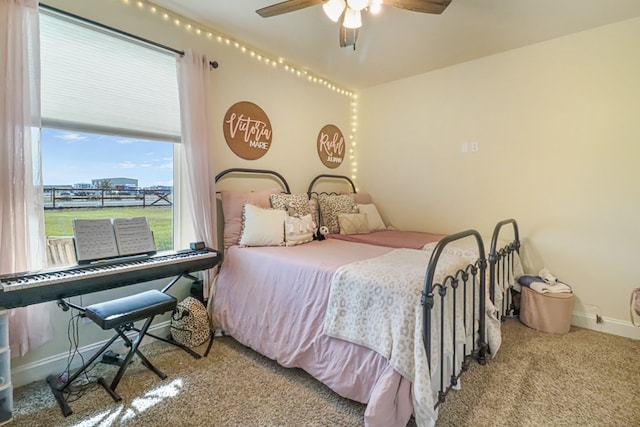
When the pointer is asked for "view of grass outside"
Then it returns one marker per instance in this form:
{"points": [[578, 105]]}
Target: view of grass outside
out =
{"points": [[83, 165], [59, 222]]}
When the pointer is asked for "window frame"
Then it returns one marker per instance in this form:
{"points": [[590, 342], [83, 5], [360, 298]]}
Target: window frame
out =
{"points": [[182, 225]]}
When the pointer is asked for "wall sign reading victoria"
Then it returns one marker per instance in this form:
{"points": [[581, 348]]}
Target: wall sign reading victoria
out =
{"points": [[247, 130], [331, 146]]}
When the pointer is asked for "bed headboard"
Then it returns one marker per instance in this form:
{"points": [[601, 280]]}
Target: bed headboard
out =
{"points": [[333, 181], [248, 172], [249, 180]]}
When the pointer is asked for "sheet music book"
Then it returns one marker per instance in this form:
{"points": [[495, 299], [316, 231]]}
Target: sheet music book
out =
{"points": [[97, 239]]}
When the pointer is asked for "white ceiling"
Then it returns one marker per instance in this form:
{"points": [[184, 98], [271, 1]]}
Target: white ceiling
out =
{"points": [[398, 43]]}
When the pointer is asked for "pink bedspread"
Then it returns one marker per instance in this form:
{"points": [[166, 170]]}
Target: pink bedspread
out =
{"points": [[274, 300], [392, 238]]}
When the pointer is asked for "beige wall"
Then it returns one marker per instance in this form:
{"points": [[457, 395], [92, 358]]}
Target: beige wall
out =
{"points": [[559, 147]]}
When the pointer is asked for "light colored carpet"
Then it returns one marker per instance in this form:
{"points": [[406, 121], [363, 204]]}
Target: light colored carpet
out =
{"points": [[583, 378]]}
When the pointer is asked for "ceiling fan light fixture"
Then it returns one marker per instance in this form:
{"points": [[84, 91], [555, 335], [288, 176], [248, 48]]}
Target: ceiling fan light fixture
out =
{"points": [[333, 9], [352, 19], [375, 6], [357, 5]]}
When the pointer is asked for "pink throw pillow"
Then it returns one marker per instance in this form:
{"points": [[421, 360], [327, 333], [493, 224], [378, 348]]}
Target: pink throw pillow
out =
{"points": [[232, 203], [363, 198]]}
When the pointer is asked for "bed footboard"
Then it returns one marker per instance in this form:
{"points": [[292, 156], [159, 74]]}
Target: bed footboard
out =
{"points": [[501, 266], [467, 283]]}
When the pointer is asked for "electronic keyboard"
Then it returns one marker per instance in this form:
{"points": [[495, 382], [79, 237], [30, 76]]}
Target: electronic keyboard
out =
{"points": [[22, 289]]}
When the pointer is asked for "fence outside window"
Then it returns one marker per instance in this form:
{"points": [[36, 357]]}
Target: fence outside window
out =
{"points": [[59, 198]]}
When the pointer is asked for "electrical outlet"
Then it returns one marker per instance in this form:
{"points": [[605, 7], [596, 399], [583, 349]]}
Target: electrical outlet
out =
{"points": [[475, 146]]}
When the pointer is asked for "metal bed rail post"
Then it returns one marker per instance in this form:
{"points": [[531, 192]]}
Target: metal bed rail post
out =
{"points": [[496, 255], [428, 303]]}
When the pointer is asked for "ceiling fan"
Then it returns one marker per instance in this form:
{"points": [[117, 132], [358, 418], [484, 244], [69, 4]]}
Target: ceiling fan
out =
{"points": [[348, 12]]}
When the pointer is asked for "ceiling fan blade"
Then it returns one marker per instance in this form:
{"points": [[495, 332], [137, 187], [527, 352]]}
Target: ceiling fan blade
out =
{"points": [[347, 36], [424, 6], [286, 7]]}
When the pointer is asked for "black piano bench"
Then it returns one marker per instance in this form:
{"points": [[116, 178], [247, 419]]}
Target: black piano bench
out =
{"points": [[119, 315]]}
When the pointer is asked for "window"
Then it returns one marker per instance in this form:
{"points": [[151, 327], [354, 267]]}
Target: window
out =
{"points": [[102, 176], [110, 118]]}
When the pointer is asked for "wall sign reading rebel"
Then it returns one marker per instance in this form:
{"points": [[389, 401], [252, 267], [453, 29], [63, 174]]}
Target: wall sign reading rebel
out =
{"points": [[247, 130], [331, 146]]}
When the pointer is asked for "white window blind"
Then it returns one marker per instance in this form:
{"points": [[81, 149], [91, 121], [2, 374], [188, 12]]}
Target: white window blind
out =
{"points": [[99, 81]]}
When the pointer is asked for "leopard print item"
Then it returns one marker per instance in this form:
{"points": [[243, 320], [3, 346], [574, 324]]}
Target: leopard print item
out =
{"points": [[294, 204], [331, 206], [190, 323]]}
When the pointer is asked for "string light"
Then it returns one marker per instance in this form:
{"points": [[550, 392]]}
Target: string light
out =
{"points": [[195, 28], [352, 137], [178, 21]]}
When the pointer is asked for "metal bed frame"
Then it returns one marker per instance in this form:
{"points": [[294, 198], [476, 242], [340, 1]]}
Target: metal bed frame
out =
{"points": [[500, 264], [466, 283]]}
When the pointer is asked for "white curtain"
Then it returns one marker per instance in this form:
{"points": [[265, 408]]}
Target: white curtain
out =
{"points": [[193, 87], [21, 197]]}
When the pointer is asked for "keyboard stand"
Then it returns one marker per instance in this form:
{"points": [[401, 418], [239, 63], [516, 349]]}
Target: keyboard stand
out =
{"points": [[120, 315]]}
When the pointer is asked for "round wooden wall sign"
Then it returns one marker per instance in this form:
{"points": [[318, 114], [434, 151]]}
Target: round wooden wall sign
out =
{"points": [[331, 146], [247, 130]]}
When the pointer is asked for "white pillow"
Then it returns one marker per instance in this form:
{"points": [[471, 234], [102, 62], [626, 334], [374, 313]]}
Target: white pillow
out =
{"points": [[262, 227], [298, 230], [375, 220]]}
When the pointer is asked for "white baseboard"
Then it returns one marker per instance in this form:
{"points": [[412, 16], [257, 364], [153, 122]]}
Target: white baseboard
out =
{"points": [[608, 325], [39, 370]]}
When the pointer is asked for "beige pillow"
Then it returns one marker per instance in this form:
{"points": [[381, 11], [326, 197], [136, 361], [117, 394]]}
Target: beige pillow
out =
{"points": [[262, 227], [232, 203], [298, 230], [373, 216], [333, 205], [353, 223]]}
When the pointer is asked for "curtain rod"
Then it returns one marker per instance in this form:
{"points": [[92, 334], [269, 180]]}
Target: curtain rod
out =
{"points": [[213, 64]]}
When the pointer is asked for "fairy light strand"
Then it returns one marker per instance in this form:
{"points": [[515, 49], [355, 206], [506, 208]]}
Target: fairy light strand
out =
{"points": [[200, 30]]}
